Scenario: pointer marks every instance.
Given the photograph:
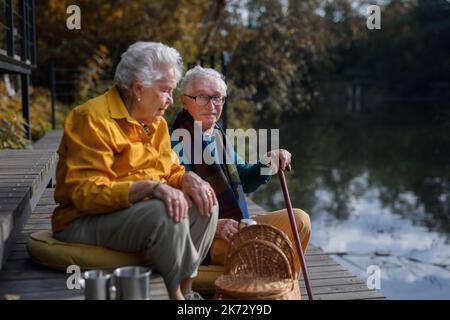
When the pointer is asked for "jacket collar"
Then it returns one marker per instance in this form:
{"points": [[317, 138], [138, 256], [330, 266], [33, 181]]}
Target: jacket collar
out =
{"points": [[116, 105], [118, 110]]}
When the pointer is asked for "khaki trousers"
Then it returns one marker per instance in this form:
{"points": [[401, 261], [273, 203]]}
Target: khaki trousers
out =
{"points": [[175, 250]]}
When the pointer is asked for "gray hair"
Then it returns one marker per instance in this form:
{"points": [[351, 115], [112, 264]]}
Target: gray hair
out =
{"points": [[145, 62], [197, 73]]}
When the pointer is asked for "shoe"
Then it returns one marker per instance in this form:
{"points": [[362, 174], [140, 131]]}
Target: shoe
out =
{"points": [[193, 295]]}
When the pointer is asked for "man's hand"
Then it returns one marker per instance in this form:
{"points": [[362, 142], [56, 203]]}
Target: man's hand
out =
{"points": [[200, 192], [226, 228], [278, 157]]}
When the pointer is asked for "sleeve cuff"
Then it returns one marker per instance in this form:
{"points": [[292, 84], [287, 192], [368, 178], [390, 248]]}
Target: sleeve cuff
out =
{"points": [[120, 193], [175, 180]]}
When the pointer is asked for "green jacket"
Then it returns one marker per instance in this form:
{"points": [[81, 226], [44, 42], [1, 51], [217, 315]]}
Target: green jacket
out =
{"points": [[250, 174]]}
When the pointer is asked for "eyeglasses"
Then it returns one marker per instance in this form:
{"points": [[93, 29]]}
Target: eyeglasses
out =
{"points": [[204, 100]]}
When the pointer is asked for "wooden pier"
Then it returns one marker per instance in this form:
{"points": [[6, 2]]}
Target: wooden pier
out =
{"points": [[20, 278]]}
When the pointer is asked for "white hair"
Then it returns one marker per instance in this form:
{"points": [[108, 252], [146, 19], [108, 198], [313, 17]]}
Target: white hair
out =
{"points": [[145, 62], [197, 73]]}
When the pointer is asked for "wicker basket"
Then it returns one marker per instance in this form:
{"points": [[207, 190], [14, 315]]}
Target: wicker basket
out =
{"points": [[259, 266]]}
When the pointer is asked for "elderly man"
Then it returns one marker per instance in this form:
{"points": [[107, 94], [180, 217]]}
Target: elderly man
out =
{"points": [[203, 95]]}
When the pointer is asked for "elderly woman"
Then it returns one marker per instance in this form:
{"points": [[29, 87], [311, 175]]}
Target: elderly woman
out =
{"points": [[203, 95], [120, 186]]}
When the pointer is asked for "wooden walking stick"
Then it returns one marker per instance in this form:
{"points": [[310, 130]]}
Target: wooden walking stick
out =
{"points": [[301, 256]]}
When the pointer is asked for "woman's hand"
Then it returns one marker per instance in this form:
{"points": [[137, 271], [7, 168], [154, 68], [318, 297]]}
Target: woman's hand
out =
{"points": [[200, 191], [176, 201], [226, 228], [278, 156]]}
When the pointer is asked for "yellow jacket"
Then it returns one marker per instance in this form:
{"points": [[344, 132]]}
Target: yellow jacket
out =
{"points": [[102, 152]]}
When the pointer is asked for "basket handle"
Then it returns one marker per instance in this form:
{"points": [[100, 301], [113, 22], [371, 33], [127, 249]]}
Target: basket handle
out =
{"points": [[228, 264]]}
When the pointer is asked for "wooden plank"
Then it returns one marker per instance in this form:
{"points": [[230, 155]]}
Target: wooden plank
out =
{"points": [[39, 164], [20, 248], [359, 295], [23, 237], [28, 272], [32, 285], [11, 200], [355, 289], [156, 294], [318, 257], [25, 234], [46, 204], [50, 141], [18, 255], [13, 194], [325, 269], [58, 286], [44, 209], [330, 275], [38, 226], [53, 295], [321, 263], [25, 266], [21, 170], [320, 282], [39, 219], [24, 157], [21, 176], [8, 207], [314, 251]]}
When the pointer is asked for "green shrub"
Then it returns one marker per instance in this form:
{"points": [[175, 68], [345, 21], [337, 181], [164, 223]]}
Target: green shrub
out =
{"points": [[12, 131]]}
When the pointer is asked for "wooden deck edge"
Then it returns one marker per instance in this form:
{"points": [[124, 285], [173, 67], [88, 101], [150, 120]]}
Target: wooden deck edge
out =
{"points": [[50, 141], [13, 220]]}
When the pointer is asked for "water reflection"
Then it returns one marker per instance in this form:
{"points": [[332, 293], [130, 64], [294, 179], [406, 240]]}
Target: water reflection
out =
{"points": [[414, 262], [378, 194]]}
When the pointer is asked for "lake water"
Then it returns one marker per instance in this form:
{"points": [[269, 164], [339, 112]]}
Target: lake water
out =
{"points": [[377, 189]]}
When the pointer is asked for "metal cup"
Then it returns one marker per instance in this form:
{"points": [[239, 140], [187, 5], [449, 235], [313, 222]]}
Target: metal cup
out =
{"points": [[132, 283], [245, 223], [96, 284]]}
